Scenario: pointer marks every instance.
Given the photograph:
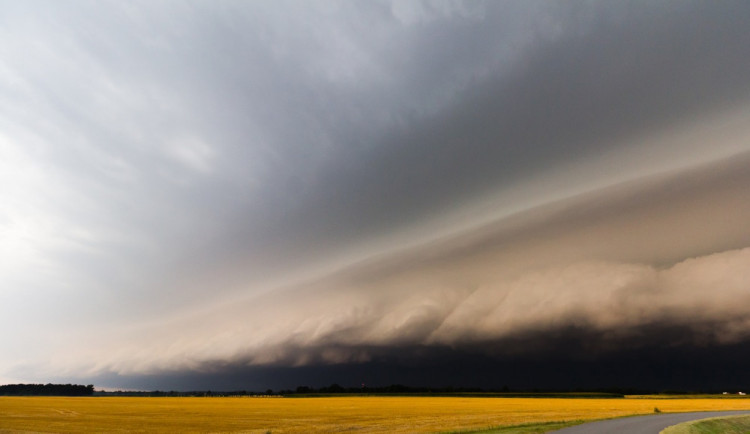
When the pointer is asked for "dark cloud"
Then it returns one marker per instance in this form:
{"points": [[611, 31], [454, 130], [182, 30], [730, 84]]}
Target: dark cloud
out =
{"points": [[565, 363]]}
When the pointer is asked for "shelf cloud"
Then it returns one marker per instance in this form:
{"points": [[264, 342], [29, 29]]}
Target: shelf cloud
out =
{"points": [[620, 265]]}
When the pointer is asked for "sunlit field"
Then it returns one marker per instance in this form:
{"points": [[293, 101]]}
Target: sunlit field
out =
{"points": [[324, 414]]}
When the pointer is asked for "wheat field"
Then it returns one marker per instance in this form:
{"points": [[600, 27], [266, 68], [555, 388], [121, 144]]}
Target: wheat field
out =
{"points": [[320, 414]]}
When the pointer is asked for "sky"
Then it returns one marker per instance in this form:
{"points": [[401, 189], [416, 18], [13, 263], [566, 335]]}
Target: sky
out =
{"points": [[249, 195]]}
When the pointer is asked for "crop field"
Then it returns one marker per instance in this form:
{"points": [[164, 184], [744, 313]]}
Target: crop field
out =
{"points": [[320, 414]]}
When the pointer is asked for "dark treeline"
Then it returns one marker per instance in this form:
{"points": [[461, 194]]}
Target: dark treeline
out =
{"points": [[392, 390], [398, 389], [401, 390], [336, 389], [46, 390]]}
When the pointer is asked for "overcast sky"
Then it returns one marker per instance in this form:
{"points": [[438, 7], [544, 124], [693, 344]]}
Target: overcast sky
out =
{"points": [[197, 188]]}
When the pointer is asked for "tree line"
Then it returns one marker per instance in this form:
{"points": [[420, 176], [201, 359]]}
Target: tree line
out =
{"points": [[399, 389], [46, 390]]}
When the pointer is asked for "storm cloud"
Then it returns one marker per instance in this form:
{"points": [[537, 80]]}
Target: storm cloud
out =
{"points": [[197, 187], [657, 261]]}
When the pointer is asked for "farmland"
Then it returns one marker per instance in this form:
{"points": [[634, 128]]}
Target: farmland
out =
{"points": [[321, 414]]}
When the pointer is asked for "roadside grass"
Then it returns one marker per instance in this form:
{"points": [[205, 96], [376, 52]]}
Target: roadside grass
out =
{"points": [[716, 425], [527, 428]]}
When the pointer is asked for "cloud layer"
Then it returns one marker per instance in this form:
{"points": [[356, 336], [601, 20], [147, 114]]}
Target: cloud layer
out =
{"points": [[186, 186], [614, 265]]}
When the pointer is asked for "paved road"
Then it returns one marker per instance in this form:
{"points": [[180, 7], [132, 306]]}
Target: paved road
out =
{"points": [[650, 424]]}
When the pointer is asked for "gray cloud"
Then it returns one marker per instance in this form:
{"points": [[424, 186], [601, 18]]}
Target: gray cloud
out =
{"points": [[604, 77]]}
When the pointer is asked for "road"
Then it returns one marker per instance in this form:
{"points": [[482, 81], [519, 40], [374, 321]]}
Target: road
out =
{"points": [[650, 424]]}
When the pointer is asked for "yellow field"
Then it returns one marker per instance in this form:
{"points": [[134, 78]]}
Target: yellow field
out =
{"points": [[334, 414]]}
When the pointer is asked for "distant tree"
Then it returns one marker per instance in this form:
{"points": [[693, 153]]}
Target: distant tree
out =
{"points": [[46, 390]]}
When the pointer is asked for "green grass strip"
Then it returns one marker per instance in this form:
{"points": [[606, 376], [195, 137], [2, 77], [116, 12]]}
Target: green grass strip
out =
{"points": [[715, 425], [527, 428]]}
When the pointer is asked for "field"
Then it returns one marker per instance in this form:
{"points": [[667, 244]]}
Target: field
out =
{"points": [[323, 414]]}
